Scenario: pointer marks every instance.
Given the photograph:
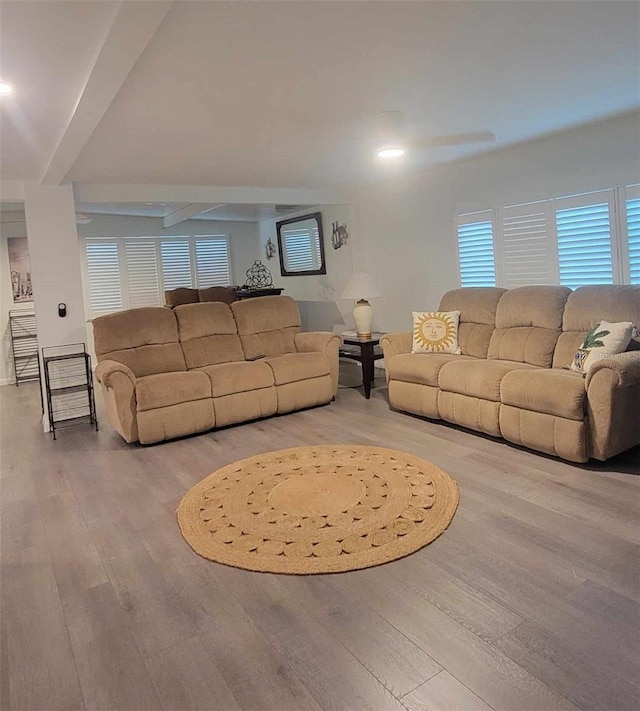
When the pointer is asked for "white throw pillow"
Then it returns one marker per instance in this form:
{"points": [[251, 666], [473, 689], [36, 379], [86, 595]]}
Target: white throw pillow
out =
{"points": [[435, 332], [603, 340]]}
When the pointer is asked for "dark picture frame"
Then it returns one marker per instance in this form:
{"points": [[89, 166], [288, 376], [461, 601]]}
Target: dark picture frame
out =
{"points": [[284, 226]]}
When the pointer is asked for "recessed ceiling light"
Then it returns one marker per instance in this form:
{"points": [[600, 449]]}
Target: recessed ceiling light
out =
{"points": [[391, 153], [5, 88]]}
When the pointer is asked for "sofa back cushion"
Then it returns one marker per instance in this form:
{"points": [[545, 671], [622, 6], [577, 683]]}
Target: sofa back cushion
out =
{"points": [[267, 325], [227, 294], [587, 306], [145, 340], [183, 295], [477, 307], [528, 323], [208, 334]]}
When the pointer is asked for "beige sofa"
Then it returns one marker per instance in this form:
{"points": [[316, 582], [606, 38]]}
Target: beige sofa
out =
{"points": [[167, 373], [185, 295], [511, 379]]}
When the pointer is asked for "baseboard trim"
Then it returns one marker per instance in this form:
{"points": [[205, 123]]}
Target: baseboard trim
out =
{"points": [[6, 381]]}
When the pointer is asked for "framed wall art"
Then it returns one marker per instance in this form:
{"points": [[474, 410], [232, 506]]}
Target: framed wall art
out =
{"points": [[20, 267]]}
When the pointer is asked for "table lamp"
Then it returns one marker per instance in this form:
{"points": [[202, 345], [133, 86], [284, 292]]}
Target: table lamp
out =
{"points": [[361, 286]]}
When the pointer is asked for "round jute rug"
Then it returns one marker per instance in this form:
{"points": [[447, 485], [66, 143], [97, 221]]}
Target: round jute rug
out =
{"points": [[321, 509]]}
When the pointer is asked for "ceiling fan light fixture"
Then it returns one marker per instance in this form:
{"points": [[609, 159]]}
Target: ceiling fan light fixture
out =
{"points": [[390, 134], [391, 152]]}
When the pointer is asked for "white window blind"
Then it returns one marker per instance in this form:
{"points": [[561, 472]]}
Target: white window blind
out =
{"points": [[176, 264], [475, 252], [584, 241], [592, 238], [302, 249], [132, 272], [142, 272], [633, 239], [103, 272], [525, 245], [212, 262]]}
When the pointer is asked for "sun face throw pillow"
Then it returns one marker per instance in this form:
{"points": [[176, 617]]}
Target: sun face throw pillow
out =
{"points": [[603, 340], [435, 332]]}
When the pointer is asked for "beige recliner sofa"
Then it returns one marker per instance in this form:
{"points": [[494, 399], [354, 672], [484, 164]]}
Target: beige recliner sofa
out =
{"points": [[511, 379], [168, 373]]}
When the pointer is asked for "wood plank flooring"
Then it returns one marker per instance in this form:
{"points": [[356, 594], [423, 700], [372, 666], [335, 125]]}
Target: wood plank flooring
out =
{"points": [[530, 601]]}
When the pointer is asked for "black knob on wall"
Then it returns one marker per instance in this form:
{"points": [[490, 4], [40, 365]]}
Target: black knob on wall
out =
{"points": [[62, 310]]}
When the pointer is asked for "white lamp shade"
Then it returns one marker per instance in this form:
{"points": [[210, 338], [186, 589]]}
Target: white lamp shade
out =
{"points": [[361, 286]]}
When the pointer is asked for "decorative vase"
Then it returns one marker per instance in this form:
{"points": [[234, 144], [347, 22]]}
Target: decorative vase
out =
{"points": [[363, 316]]}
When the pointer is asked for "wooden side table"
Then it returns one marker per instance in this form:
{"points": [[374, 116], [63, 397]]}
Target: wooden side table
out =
{"points": [[365, 351]]}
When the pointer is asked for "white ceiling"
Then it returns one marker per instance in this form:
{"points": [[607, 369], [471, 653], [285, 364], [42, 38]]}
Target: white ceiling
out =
{"points": [[283, 94], [46, 50]]}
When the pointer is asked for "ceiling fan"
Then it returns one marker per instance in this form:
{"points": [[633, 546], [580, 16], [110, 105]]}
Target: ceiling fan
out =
{"points": [[392, 141]]}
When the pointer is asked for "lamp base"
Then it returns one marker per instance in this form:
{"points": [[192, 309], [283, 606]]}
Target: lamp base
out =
{"points": [[363, 317]]}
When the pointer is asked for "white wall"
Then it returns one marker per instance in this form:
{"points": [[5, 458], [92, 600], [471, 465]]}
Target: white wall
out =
{"points": [[408, 227]]}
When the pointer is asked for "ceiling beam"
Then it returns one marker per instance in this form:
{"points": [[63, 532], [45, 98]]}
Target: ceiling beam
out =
{"points": [[195, 208], [95, 192], [132, 26], [8, 218]]}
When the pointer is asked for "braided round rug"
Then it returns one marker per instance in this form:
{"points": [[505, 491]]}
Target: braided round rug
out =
{"points": [[322, 509]]}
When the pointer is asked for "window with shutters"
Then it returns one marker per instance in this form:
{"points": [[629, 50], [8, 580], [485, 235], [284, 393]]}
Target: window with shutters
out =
{"points": [[592, 238], [133, 272], [475, 250], [176, 264], [103, 274], [212, 263], [141, 267], [583, 226], [632, 224], [527, 245]]}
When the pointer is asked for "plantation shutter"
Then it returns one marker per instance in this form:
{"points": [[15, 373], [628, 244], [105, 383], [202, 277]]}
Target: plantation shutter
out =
{"points": [[302, 252], [475, 250], [142, 272], [527, 245], [212, 262], [103, 271], [583, 226], [176, 264], [633, 239], [315, 247]]}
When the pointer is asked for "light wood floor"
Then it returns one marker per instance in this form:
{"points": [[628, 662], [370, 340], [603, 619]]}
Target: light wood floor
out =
{"points": [[528, 602]]}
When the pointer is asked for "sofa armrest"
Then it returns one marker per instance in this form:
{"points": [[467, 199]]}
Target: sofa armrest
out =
{"points": [[613, 403], [396, 343], [321, 342], [119, 392], [625, 366], [106, 368]]}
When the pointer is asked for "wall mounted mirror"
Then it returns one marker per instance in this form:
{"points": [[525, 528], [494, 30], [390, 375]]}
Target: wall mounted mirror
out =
{"points": [[301, 245]]}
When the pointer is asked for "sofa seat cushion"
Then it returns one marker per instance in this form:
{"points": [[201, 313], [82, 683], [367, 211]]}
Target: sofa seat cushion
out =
{"points": [[166, 389], [478, 378], [293, 367], [240, 377], [552, 392], [420, 368]]}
